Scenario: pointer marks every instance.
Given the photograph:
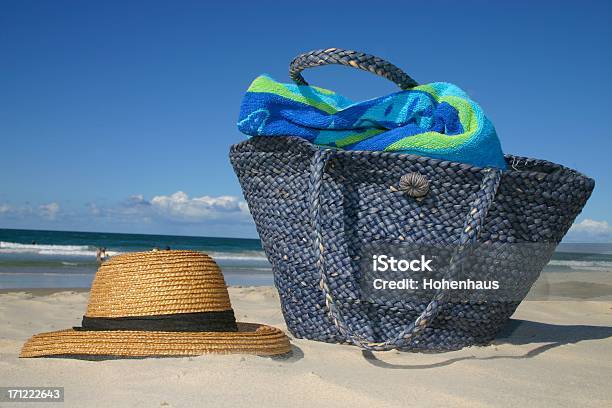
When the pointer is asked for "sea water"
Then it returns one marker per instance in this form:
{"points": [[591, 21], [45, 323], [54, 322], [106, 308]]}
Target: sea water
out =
{"points": [[59, 259]]}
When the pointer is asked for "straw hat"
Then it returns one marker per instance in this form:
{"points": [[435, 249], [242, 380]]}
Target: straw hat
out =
{"points": [[159, 303]]}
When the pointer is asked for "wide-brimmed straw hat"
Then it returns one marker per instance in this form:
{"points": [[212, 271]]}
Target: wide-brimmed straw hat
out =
{"points": [[159, 303]]}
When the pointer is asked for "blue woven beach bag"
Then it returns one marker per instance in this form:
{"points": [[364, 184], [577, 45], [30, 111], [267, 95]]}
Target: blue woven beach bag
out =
{"points": [[318, 210]]}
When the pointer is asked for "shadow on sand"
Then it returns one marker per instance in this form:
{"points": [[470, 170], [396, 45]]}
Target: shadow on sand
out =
{"points": [[517, 332]]}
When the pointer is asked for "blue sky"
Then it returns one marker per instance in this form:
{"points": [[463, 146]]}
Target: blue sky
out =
{"points": [[118, 115]]}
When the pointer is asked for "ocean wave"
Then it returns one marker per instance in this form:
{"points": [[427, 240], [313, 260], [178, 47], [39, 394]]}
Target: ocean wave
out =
{"points": [[239, 256], [58, 273], [26, 247], [90, 251], [582, 265], [45, 249]]}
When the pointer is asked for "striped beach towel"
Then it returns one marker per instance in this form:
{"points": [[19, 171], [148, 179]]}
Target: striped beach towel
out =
{"points": [[437, 120]]}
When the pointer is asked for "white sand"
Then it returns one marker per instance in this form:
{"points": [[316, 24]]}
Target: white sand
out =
{"points": [[559, 354]]}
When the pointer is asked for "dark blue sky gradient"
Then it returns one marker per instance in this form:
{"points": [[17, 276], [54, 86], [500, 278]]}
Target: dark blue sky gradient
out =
{"points": [[100, 101]]}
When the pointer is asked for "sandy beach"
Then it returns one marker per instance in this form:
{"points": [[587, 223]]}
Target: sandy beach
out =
{"points": [[402, 184], [556, 351]]}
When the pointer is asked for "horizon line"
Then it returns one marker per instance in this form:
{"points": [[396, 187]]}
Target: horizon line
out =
{"points": [[226, 237], [125, 233]]}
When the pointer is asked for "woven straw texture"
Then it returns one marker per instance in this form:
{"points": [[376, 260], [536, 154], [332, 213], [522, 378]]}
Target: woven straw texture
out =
{"points": [[349, 58], [250, 339], [158, 283], [315, 210]]}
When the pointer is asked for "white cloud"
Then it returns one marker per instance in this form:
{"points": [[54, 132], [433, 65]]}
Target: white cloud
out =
{"points": [[590, 230], [592, 226], [94, 209], [49, 210], [16, 211], [176, 213], [180, 206], [137, 199]]}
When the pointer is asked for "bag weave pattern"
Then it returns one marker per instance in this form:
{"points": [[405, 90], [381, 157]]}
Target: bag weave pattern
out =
{"points": [[315, 209]]}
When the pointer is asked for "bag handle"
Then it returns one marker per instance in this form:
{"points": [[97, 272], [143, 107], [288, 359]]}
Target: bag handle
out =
{"points": [[471, 230], [349, 58]]}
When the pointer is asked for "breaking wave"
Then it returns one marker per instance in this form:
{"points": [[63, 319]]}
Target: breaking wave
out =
{"points": [[44, 249]]}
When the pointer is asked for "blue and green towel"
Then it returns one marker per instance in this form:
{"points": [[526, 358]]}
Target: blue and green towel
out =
{"points": [[437, 120]]}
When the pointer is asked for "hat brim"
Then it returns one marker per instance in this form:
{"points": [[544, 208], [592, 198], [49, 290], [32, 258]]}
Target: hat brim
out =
{"points": [[251, 338]]}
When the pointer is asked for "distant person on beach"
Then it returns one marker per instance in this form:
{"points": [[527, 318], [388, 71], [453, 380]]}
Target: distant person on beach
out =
{"points": [[101, 255], [33, 242]]}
